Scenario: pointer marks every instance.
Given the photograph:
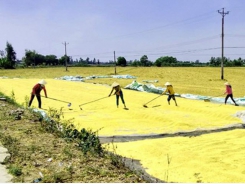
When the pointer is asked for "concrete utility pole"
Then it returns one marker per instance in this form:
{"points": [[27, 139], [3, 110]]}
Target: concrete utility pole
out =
{"points": [[222, 35], [65, 54], [115, 63]]}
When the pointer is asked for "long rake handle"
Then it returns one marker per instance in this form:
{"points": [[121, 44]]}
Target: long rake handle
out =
{"points": [[153, 99], [93, 101], [57, 100], [215, 96]]}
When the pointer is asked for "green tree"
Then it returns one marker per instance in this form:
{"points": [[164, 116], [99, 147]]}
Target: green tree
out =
{"points": [[218, 61], [10, 60], [242, 60], [166, 61], [144, 60], [64, 59], [158, 62], [87, 60], [237, 62], [83, 62], [136, 63], [3, 61], [29, 58], [40, 59], [212, 61], [121, 61], [51, 60]]}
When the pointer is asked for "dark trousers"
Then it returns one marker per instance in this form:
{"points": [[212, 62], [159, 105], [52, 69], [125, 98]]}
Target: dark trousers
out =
{"points": [[121, 96], [231, 96], [171, 96], [38, 99]]}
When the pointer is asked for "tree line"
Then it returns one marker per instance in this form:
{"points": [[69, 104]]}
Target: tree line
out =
{"points": [[32, 58]]}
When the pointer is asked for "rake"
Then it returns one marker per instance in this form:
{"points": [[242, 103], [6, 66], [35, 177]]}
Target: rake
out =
{"points": [[69, 104], [208, 99], [151, 101], [91, 102]]}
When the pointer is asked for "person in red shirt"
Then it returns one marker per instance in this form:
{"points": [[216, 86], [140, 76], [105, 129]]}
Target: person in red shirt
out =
{"points": [[36, 92], [229, 93]]}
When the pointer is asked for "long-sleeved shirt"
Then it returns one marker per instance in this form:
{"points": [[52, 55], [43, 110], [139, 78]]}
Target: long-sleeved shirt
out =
{"points": [[169, 89], [117, 90], [37, 89]]}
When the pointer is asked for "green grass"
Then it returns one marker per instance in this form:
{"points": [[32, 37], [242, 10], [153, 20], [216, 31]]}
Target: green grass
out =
{"points": [[34, 150]]}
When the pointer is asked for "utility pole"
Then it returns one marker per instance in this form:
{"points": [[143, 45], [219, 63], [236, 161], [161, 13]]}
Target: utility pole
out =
{"points": [[65, 54], [115, 63], [222, 44]]}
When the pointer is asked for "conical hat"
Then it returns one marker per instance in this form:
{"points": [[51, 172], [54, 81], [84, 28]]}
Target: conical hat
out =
{"points": [[227, 83], [115, 84], [168, 84], [43, 82]]}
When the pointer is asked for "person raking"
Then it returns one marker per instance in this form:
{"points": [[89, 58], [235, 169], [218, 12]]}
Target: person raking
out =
{"points": [[170, 92], [229, 93], [36, 90], [118, 93]]}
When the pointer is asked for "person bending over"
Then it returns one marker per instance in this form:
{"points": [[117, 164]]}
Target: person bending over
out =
{"points": [[170, 92], [118, 93], [36, 90]]}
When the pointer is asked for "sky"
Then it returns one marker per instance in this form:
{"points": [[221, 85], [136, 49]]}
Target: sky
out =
{"points": [[188, 30]]}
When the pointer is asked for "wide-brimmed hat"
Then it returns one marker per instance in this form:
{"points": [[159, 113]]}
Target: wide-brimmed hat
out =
{"points": [[43, 82], [168, 84], [115, 84], [227, 83]]}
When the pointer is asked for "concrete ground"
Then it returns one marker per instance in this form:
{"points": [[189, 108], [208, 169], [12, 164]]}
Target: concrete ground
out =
{"points": [[5, 177]]}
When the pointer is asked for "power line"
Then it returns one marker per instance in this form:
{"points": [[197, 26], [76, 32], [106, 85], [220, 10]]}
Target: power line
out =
{"points": [[234, 35], [150, 53], [164, 26], [191, 42]]}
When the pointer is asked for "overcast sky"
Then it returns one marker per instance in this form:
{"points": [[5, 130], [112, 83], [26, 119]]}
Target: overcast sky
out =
{"points": [[189, 30]]}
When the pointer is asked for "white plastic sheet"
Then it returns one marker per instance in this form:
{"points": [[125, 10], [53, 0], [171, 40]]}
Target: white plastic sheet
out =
{"points": [[79, 78], [144, 87], [152, 89]]}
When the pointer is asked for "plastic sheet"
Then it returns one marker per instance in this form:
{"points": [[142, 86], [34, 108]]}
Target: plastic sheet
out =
{"points": [[71, 78], [42, 112], [79, 78], [152, 89], [144, 87], [123, 76]]}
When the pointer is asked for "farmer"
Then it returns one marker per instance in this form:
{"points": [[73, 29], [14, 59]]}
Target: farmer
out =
{"points": [[36, 92], [118, 93], [170, 92], [229, 93]]}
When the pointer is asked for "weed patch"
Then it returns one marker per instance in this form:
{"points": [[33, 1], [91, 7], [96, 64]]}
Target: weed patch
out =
{"points": [[51, 150], [15, 170]]}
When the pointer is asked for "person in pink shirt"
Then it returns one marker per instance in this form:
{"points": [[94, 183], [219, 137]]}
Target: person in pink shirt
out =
{"points": [[229, 93]]}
